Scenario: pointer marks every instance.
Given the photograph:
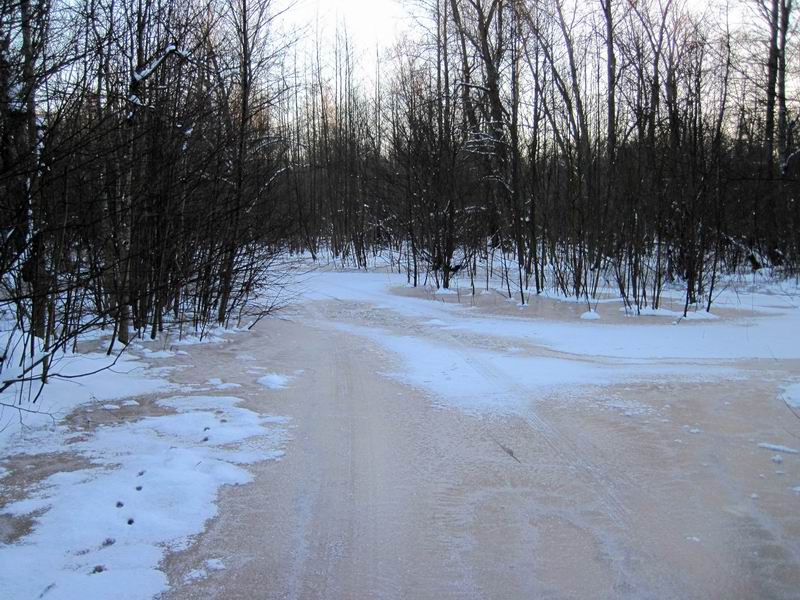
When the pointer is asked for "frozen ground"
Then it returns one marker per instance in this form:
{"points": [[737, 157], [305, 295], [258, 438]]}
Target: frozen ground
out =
{"points": [[437, 446]]}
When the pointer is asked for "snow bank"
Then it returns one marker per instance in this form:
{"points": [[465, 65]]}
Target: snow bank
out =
{"points": [[110, 379]]}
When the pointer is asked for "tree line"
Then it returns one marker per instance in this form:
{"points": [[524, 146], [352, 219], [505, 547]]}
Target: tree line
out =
{"points": [[630, 143], [159, 157]]}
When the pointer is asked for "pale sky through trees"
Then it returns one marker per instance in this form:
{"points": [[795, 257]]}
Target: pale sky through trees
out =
{"points": [[369, 22], [374, 26], [378, 24]]}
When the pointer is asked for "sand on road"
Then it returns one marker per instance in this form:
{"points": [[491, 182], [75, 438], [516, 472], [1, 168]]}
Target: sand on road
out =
{"points": [[385, 492]]}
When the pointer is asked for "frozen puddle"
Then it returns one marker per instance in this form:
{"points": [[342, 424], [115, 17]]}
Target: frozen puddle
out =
{"points": [[103, 532]]}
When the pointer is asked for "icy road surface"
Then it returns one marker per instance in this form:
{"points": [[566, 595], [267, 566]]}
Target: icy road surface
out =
{"points": [[440, 449]]}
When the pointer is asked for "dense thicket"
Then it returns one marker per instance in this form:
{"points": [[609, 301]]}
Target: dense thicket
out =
{"points": [[156, 156]]}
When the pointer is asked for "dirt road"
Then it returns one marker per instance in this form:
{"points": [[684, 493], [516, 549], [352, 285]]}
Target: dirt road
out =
{"points": [[637, 490]]}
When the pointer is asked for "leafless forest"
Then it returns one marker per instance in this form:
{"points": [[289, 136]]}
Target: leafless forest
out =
{"points": [[159, 157]]}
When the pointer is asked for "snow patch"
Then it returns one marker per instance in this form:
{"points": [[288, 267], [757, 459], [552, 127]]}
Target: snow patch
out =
{"points": [[791, 395], [156, 353], [435, 323], [700, 336], [479, 380], [672, 314], [220, 385], [215, 564], [777, 448], [195, 575], [627, 408], [154, 487], [274, 381], [39, 428], [193, 340]]}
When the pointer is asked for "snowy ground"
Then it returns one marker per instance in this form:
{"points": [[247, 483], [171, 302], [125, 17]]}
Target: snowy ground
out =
{"points": [[442, 445], [95, 486]]}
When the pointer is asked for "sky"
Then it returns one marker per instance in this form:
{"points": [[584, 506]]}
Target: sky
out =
{"points": [[369, 22], [378, 24]]}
